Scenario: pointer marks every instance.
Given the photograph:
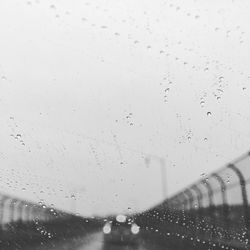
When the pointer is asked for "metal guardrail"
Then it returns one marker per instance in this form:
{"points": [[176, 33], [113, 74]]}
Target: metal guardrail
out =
{"points": [[16, 210], [220, 202], [25, 223], [212, 213]]}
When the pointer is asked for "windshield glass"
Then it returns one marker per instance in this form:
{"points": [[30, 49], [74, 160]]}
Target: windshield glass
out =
{"points": [[132, 112]]}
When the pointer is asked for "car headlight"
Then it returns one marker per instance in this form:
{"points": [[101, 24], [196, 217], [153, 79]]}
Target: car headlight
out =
{"points": [[121, 218], [135, 229], [107, 228]]}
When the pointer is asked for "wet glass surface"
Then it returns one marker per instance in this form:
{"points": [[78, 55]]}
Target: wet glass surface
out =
{"points": [[124, 124]]}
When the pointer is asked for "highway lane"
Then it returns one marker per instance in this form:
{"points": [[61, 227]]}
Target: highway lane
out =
{"points": [[94, 241]]}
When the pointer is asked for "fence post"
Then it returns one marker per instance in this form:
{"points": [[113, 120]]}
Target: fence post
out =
{"points": [[244, 198]]}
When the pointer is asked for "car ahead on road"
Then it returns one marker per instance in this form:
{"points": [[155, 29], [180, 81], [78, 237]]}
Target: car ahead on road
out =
{"points": [[121, 230]]}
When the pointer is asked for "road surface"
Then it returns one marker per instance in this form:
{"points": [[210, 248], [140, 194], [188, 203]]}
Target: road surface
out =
{"points": [[95, 241]]}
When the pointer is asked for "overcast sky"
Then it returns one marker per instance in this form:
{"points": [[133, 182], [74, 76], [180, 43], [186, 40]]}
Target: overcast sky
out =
{"points": [[89, 89]]}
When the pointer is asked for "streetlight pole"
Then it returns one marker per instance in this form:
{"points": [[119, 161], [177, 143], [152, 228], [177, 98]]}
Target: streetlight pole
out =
{"points": [[164, 178], [74, 196], [162, 162]]}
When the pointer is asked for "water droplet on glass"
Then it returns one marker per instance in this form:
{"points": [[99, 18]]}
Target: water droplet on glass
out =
{"points": [[209, 113]]}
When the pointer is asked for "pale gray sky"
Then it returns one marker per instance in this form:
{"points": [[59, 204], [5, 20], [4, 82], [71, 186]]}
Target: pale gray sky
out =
{"points": [[88, 89]]}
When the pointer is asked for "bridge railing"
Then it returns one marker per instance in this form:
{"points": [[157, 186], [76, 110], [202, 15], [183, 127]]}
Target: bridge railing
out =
{"points": [[218, 204], [14, 210], [26, 222], [213, 211]]}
